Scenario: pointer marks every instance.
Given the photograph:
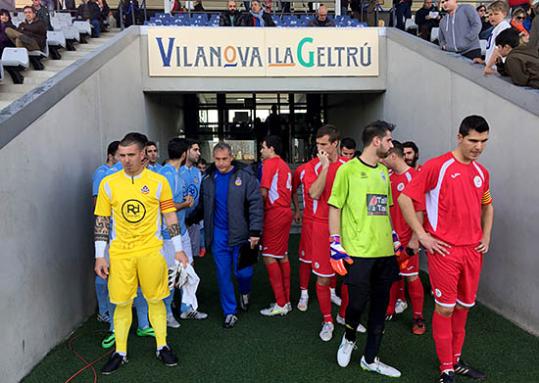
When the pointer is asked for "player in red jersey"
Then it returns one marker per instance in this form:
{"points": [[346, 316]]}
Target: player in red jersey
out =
{"points": [[319, 176], [306, 233], [401, 176], [276, 189], [454, 191]]}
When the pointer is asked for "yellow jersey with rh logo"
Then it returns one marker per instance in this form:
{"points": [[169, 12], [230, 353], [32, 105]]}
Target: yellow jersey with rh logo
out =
{"points": [[135, 205]]}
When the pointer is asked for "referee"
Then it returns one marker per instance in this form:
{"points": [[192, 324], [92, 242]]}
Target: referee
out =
{"points": [[359, 214]]}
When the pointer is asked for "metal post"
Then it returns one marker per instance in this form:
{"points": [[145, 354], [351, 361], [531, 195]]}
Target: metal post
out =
{"points": [[337, 7]]}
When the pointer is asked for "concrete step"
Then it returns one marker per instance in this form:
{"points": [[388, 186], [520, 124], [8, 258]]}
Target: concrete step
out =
{"points": [[8, 96], [3, 104], [19, 89]]}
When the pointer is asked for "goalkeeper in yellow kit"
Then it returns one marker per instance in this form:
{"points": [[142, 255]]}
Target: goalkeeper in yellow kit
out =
{"points": [[135, 198]]}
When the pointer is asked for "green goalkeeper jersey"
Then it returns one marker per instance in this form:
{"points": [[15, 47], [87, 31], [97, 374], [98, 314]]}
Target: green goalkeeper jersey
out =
{"points": [[363, 193]]}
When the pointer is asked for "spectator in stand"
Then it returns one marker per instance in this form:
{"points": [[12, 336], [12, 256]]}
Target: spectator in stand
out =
{"points": [[403, 11], [31, 33], [42, 13], [521, 61], [497, 14], [231, 17], [486, 28], [322, 19], [104, 11], [459, 30], [177, 7], [130, 11], [426, 18], [5, 22], [89, 10], [199, 7], [517, 23], [257, 17]]}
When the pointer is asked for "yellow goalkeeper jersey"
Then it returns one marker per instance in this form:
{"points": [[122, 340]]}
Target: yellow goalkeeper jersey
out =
{"points": [[135, 205]]}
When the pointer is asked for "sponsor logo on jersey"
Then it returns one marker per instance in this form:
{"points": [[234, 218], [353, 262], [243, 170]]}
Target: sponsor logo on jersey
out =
{"points": [[478, 182], [376, 204], [400, 186], [145, 189], [364, 175], [238, 181], [133, 211]]}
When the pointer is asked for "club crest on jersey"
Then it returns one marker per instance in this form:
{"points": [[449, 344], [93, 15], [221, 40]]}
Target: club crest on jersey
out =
{"points": [[478, 182], [438, 293], [382, 174], [400, 187], [145, 189], [195, 180], [237, 182]]}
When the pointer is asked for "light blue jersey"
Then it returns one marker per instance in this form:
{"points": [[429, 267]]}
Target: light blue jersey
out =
{"points": [[177, 186], [193, 179], [99, 174], [115, 168], [156, 168]]}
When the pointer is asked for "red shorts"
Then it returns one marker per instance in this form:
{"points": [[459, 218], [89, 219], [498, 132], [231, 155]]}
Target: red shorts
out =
{"points": [[277, 224], [320, 250], [455, 277], [408, 266], [305, 241]]}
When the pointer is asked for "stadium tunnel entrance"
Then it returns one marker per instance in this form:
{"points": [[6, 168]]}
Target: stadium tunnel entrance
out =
{"points": [[244, 119]]}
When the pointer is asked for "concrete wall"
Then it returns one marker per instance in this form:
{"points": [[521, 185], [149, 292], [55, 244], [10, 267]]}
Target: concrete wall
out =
{"points": [[428, 95], [46, 278]]}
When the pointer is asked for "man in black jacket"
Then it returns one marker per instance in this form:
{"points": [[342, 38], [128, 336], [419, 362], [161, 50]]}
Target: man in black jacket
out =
{"points": [[232, 17], [31, 33], [233, 211]]}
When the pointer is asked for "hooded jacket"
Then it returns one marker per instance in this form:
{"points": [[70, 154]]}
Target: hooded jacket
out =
{"points": [[245, 205], [459, 32]]}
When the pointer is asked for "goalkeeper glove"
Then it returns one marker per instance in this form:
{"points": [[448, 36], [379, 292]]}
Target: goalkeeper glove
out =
{"points": [[338, 255], [397, 245]]}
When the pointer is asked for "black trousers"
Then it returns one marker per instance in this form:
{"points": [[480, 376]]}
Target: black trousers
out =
{"points": [[369, 279]]}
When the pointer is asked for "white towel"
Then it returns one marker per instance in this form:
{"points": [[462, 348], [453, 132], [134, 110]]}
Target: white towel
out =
{"points": [[188, 282]]}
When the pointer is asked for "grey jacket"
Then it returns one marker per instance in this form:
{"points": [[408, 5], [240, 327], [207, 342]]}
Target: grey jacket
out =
{"points": [[245, 205], [460, 32]]}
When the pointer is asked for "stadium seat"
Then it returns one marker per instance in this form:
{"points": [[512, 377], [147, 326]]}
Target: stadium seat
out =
{"points": [[84, 28], [410, 25], [483, 44], [55, 41], [434, 34], [15, 60]]}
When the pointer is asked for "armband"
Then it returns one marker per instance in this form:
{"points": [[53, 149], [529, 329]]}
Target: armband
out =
{"points": [[100, 247], [177, 242]]}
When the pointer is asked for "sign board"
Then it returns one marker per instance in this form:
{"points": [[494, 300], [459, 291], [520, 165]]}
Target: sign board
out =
{"points": [[262, 52]]}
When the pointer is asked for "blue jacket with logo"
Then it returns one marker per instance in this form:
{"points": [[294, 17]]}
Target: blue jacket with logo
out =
{"points": [[245, 205]]}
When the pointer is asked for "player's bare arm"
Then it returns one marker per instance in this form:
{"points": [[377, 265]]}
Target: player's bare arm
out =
{"points": [[171, 221], [431, 244], [487, 218], [414, 241], [334, 221], [297, 212], [317, 188], [101, 236]]}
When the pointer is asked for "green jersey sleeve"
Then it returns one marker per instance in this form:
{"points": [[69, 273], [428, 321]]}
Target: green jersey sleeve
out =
{"points": [[339, 191]]}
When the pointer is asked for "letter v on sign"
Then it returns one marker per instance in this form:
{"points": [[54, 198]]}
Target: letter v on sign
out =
{"points": [[168, 55]]}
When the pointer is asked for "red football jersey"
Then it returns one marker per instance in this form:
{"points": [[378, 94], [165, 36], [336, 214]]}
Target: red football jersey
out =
{"points": [[277, 178], [313, 169], [452, 194], [398, 183]]}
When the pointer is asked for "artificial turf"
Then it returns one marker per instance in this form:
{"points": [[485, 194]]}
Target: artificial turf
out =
{"points": [[288, 348]]}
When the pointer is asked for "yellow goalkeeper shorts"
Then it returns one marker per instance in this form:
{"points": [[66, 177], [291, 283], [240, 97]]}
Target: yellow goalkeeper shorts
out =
{"points": [[128, 271]]}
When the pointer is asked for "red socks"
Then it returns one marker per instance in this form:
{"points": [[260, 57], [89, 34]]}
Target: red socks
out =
{"points": [[344, 300], [324, 301], [417, 295], [285, 271], [402, 290], [459, 331], [442, 334], [304, 275], [276, 281], [392, 298]]}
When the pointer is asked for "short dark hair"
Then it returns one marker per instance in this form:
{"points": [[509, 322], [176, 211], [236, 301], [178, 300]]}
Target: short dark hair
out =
{"points": [[509, 37], [473, 122], [177, 147], [134, 138], [151, 143], [348, 143], [221, 145], [274, 142], [378, 129], [202, 161], [411, 145], [30, 8], [398, 149], [113, 148], [192, 142], [328, 130]]}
